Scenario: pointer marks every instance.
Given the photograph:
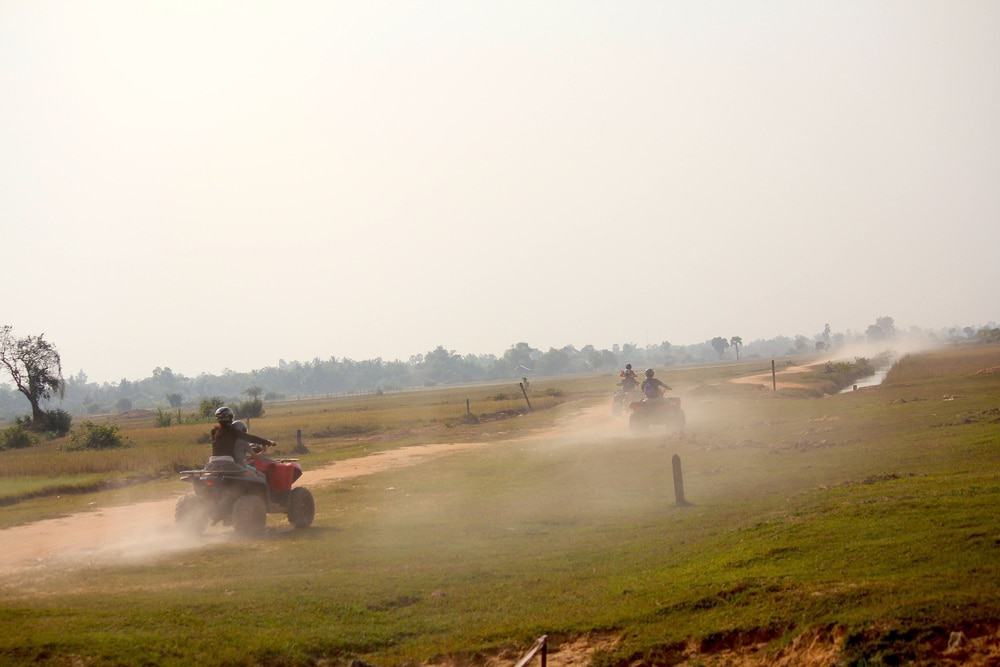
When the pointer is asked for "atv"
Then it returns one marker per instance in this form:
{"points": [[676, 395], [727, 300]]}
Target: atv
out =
{"points": [[665, 411], [242, 497], [622, 398]]}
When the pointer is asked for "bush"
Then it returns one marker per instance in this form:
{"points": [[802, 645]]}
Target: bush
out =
{"points": [[97, 436], [273, 396], [208, 406], [164, 418], [501, 397], [555, 393], [252, 408], [16, 437], [58, 422], [123, 404]]}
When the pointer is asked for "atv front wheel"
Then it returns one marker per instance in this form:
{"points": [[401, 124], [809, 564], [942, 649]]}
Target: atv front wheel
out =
{"points": [[191, 514], [301, 507], [249, 515]]}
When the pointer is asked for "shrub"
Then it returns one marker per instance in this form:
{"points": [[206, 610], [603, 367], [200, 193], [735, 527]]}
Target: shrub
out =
{"points": [[209, 405], [163, 418], [16, 437], [58, 422], [273, 396], [553, 392], [123, 404], [252, 408], [97, 436], [501, 397]]}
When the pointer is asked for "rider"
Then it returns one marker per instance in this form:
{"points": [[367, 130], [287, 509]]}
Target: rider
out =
{"points": [[653, 388], [241, 450], [225, 437], [629, 378]]}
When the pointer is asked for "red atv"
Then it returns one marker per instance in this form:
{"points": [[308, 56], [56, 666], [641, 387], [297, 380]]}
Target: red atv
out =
{"points": [[242, 497], [665, 411]]}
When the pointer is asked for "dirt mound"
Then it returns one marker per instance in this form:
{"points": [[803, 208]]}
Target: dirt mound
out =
{"points": [[972, 643]]}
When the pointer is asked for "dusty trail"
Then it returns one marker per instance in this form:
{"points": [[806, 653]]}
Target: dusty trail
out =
{"points": [[765, 378], [144, 530]]}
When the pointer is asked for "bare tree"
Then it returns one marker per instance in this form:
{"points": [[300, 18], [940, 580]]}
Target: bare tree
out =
{"points": [[35, 367]]}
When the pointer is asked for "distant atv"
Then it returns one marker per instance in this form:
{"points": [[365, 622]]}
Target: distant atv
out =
{"points": [[666, 411], [242, 497]]}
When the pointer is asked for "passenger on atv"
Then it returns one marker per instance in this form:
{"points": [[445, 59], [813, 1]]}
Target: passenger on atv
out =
{"points": [[224, 442], [629, 378], [652, 388]]}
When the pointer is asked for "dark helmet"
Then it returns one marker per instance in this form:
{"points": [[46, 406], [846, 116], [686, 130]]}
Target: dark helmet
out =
{"points": [[224, 415], [649, 372], [628, 367], [240, 426]]}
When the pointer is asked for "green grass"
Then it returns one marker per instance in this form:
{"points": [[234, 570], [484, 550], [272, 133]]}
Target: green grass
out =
{"points": [[873, 510]]}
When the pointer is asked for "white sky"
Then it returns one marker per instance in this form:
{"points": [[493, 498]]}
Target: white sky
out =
{"points": [[222, 184]]}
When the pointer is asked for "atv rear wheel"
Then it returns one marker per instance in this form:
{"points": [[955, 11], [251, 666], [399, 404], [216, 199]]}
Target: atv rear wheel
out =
{"points": [[636, 422], [249, 515], [301, 507], [191, 514]]}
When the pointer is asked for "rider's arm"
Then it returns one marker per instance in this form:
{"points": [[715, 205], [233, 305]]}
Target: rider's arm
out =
{"points": [[255, 439]]}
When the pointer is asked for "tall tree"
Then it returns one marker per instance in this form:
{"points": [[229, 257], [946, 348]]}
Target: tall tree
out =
{"points": [[736, 342], [35, 367], [719, 344]]}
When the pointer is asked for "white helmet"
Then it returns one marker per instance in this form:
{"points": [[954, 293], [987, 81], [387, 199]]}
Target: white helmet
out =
{"points": [[224, 415]]}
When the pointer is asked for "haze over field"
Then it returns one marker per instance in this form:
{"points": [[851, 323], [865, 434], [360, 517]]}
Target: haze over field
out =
{"points": [[208, 185]]}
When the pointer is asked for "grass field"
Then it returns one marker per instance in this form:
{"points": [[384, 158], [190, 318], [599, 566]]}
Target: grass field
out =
{"points": [[865, 523]]}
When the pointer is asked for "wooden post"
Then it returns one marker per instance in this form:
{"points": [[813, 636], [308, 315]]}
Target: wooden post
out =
{"points": [[774, 377], [525, 392], [545, 652], [679, 482], [468, 409], [300, 448]]}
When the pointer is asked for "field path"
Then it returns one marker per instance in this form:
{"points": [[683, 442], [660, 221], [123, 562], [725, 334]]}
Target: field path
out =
{"points": [[145, 530], [765, 377]]}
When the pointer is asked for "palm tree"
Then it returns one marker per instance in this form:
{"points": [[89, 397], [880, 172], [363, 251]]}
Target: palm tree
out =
{"points": [[736, 341]]}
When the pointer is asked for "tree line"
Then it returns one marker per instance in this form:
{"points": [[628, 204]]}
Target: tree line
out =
{"points": [[23, 357]]}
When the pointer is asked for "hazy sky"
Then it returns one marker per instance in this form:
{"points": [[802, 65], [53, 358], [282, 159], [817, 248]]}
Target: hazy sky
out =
{"points": [[222, 184]]}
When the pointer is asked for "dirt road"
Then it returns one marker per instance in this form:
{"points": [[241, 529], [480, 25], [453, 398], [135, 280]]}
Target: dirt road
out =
{"points": [[765, 378], [145, 530]]}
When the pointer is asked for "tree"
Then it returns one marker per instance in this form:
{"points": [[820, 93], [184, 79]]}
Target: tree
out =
{"points": [[175, 400], [123, 404], [254, 392], [883, 329], [736, 342], [35, 367], [720, 345]]}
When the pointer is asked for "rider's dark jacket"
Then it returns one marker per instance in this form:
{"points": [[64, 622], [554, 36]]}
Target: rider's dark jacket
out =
{"points": [[651, 387], [224, 440]]}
